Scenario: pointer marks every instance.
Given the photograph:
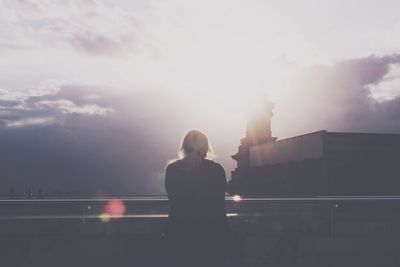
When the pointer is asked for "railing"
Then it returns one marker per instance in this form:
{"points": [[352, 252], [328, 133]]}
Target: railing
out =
{"points": [[321, 231]]}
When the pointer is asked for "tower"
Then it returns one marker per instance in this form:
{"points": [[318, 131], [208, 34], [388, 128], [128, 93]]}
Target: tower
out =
{"points": [[258, 131]]}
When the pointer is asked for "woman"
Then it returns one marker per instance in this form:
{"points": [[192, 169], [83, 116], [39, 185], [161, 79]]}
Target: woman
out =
{"points": [[198, 232]]}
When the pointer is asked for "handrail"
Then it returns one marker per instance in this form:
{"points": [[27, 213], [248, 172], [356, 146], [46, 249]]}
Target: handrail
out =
{"points": [[155, 207], [228, 199]]}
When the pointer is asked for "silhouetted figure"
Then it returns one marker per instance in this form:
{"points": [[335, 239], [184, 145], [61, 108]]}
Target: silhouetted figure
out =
{"points": [[198, 232], [30, 193], [40, 193], [12, 193]]}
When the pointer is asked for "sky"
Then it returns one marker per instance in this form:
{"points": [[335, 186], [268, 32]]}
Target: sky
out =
{"points": [[96, 95]]}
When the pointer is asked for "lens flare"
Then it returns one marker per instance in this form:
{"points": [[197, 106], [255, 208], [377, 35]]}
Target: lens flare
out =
{"points": [[236, 198], [105, 217], [115, 208]]}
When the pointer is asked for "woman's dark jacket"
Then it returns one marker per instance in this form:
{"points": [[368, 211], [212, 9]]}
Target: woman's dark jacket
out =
{"points": [[197, 218]]}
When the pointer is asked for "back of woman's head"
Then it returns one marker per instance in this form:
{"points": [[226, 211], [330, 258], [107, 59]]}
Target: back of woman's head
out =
{"points": [[195, 143]]}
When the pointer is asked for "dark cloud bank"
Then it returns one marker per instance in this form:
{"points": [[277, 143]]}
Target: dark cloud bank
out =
{"points": [[87, 140], [338, 98]]}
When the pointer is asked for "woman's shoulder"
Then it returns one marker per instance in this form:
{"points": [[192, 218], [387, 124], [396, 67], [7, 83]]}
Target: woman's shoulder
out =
{"points": [[177, 165], [172, 164], [213, 164], [180, 164]]}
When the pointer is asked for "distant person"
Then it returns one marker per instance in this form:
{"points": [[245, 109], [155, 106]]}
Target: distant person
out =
{"points": [[40, 193], [198, 231], [12, 193]]}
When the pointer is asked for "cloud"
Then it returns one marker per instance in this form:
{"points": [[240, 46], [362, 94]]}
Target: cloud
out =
{"points": [[91, 27], [45, 88], [84, 140], [68, 107], [31, 121], [340, 97], [44, 105]]}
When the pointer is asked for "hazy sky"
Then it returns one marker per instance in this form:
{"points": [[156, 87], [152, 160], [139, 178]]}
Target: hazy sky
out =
{"points": [[95, 95]]}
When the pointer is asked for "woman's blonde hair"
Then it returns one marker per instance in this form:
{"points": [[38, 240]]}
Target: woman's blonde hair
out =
{"points": [[195, 142]]}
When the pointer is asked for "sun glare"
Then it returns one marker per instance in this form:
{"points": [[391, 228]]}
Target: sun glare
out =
{"points": [[237, 198]]}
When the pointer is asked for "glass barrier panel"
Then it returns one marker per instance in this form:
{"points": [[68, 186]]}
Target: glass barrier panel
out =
{"points": [[266, 232]]}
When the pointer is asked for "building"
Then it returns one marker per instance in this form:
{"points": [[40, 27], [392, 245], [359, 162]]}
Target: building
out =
{"points": [[315, 164]]}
